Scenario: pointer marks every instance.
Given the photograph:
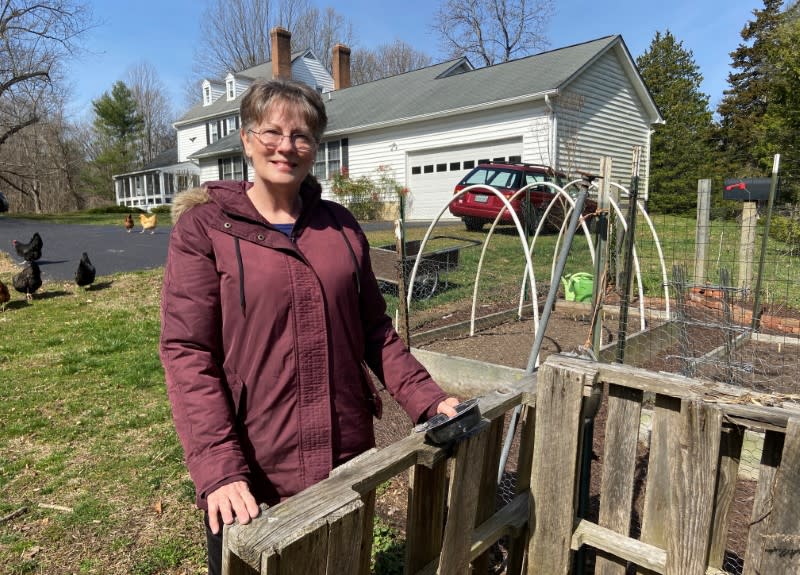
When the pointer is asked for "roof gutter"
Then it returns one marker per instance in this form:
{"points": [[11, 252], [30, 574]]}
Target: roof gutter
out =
{"points": [[442, 113]]}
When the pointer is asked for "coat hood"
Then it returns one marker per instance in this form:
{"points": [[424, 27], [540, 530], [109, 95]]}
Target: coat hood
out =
{"points": [[310, 190]]}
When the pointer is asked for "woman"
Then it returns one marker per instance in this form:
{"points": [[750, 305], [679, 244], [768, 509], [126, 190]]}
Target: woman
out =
{"points": [[270, 310]]}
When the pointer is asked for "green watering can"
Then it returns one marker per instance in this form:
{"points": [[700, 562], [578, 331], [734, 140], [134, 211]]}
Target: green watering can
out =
{"points": [[578, 286]]}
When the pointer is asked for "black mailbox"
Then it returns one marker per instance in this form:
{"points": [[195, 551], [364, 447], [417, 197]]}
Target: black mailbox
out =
{"points": [[747, 189]]}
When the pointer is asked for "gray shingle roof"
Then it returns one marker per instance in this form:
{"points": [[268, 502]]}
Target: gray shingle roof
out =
{"points": [[422, 93]]}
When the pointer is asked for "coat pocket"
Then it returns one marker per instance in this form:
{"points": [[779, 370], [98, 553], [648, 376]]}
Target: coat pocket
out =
{"points": [[373, 397]]}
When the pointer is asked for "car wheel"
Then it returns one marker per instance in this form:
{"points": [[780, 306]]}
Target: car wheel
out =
{"points": [[473, 224]]}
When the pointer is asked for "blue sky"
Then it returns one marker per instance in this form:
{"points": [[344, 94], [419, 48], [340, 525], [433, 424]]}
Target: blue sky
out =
{"points": [[165, 33]]}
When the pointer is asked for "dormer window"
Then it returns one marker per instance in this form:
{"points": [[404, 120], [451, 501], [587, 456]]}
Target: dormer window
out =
{"points": [[230, 87], [207, 100]]}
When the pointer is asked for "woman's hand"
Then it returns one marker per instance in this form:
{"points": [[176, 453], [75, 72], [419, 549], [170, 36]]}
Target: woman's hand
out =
{"points": [[448, 406], [229, 500]]}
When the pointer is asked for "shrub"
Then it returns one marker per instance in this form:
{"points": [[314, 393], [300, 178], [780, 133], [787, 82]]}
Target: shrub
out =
{"points": [[785, 229], [162, 209], [364, 196]]}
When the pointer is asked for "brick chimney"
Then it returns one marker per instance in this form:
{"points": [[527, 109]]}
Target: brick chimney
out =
{"points": [[341, 67], [281, 53]]}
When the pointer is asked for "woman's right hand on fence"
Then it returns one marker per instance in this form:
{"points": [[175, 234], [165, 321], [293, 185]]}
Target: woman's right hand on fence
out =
{"points": [[233, 499]]}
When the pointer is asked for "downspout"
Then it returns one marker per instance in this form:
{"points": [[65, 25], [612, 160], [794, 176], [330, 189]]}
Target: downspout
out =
{"points": [[552, 150]]}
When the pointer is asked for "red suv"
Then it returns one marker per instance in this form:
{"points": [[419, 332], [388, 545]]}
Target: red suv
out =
{"points": [[478, 206]]}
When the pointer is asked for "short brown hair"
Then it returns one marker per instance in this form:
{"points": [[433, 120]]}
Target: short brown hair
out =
{"points": [[263, 94]]}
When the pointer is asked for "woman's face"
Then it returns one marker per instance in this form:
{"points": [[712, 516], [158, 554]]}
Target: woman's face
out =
{"points": [[281, 148]]}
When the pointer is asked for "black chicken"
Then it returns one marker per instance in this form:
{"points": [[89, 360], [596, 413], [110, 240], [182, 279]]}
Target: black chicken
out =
{"points": [[32, 250], [84, 275], [28, 280]]}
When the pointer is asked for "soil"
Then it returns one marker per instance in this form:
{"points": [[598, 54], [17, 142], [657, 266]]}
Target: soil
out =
{"points": [[510, 344]]}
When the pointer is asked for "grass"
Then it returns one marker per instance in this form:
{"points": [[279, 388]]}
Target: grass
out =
{"points": [[88, 453]]}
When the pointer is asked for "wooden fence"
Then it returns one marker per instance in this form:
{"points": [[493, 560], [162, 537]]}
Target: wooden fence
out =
{"points": [[694, 451]]}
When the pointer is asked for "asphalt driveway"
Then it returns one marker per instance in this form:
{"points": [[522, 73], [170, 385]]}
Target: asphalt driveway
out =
{"points": [[111, 248]]}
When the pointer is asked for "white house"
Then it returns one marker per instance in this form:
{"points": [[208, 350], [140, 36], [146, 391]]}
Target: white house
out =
{"points": [[565, 108]]}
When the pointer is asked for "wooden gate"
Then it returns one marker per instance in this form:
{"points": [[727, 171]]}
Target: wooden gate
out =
{"points": [[694, 450]]}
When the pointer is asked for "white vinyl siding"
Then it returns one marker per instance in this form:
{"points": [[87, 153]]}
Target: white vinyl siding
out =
{"points": [[190, 140], [599, 114]]}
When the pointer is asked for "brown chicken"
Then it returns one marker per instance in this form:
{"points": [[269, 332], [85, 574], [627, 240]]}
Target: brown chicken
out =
{"points": [[28, 280], [148, 222], [129, 223], [5, 296]]}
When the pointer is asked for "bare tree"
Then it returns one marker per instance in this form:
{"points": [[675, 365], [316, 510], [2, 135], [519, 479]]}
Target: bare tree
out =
{"points": [[387, 60], [321, 31], [235, 34], [36, 39], [153, 105], [493, 31]]}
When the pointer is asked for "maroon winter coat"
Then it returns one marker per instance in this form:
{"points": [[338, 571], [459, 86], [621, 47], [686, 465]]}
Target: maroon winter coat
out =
{"points": [[263, 339]]}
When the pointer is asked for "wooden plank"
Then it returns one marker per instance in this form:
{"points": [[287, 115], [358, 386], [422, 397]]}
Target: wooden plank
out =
{"points": [[462, 508], [729, 456], [487, 490], [306, 554], [232, 565], [693, 465], [425, 515], [509, 520], [762, 502], [619, 466], [666, 416], [648, 557], [517, 545], [782, 539], [555, 465], [367, 522], [345, 532]]}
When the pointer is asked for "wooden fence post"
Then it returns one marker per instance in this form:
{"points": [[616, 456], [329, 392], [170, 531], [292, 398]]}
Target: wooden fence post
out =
{"points": [[554, 474], [781, 542], [701, 230], [762, 503], [747, 245], [693, 464], [619, 466]]}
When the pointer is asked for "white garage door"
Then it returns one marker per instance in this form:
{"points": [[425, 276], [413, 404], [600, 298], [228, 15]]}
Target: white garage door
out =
{"points": [[434, 173]]}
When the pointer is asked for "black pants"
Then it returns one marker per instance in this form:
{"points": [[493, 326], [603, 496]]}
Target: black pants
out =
{"points": [[214, 545]]}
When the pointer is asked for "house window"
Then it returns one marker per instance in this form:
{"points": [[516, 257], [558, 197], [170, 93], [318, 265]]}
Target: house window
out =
{"points": [[469, 164], [416, 170], [230, 125], [231, 87], [515, 159], [330, 159], [206, 95], [441, 167], [454, 166], [231, 168], [428, 169], [213, 132]]}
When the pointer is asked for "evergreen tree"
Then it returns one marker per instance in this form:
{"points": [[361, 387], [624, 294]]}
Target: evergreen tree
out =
{"points": [[112, 149], [744, 104], [781, 122], [680, 151]]}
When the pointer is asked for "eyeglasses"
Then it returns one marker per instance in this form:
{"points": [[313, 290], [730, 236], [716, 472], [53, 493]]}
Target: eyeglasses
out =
{"points": [[272, 139]]}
